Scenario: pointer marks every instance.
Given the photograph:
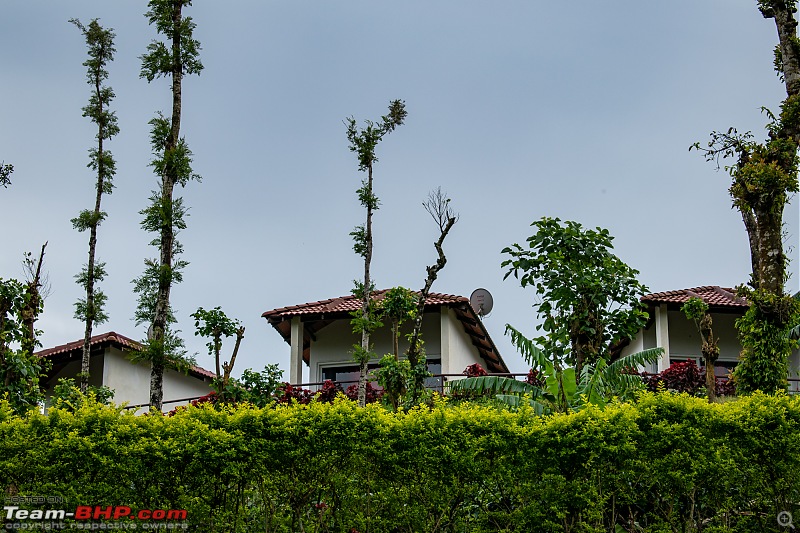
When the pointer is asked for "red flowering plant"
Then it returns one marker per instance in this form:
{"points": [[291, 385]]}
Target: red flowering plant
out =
{"points": [[373, 393], [286, 393], [475, 370]]}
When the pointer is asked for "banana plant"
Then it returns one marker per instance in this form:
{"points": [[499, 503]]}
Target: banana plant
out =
{"points": [[561, 391]]}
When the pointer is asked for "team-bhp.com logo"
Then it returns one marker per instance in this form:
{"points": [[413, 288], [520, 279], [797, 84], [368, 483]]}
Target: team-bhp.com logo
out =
{"points": [[94, 513]]}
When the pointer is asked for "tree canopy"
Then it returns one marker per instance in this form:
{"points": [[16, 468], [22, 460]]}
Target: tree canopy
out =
{"points": [[589, 298]]}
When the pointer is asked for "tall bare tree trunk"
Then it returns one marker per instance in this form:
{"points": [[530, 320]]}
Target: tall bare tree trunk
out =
{"points": [[90, 318], [365, 301], [169, 178], [33, 305]]}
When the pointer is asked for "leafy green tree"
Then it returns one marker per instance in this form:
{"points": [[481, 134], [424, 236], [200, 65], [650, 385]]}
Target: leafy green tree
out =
{"points": [[172, 163], [20, 369], [215, 324], [590, 299], [696, 310], [398, 305], [5, 173], [100, 43], [764, 176], [363, 142]]}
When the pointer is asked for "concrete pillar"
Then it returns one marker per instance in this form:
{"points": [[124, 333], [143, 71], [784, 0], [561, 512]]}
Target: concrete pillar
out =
{"points": [[296, 353], [444, 336], [662, 335]]}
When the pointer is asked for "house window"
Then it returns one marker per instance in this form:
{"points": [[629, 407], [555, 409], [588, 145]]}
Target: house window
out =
{"points": [[344, 375], [347, 375]]}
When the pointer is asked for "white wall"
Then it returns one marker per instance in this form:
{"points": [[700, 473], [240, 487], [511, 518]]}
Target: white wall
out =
{"points": [[684, 339], [131, 382], [458, 351], [71, 370], [334, 343]]}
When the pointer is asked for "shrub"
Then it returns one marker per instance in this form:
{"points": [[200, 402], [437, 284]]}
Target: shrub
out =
{"points": [[679, 377], [669, 462], [687, 377]]}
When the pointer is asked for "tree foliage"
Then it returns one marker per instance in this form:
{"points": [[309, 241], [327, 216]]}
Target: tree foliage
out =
{"points": [[20, 369], [589, 297], [90, 310], [215, 324], [6, 169]]}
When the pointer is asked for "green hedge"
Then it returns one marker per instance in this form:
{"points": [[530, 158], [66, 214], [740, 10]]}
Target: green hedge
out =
{"points": [[664, 463]]}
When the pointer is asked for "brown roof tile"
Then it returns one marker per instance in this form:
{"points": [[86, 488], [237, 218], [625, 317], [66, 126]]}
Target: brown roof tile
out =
{"points": [[346, 304], [713, 295]]}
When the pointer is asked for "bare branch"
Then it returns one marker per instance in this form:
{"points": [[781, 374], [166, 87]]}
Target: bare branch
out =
{"points": [[438, 207]]}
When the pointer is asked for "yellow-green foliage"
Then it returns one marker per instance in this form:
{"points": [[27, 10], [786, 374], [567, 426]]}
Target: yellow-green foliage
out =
{"points": [[664, 463]]}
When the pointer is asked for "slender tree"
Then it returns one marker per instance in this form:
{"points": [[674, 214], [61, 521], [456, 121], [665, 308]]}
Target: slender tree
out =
{"points": [[216, 324], [36, 288], [438, 207], [696, 310], [363, 142], [764, 175], [172, 163], [100, 43]]}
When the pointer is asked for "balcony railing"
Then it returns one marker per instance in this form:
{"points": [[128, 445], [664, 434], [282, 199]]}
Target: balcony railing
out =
{"points": [[439, 386]]}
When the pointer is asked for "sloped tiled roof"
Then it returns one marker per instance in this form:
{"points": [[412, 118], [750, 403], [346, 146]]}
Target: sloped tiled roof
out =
{"points": [[713, 295], [346, 304], [121, 342], [336, 308]]}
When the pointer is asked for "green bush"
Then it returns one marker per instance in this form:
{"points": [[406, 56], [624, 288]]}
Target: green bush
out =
{"points": [[665, 463]]}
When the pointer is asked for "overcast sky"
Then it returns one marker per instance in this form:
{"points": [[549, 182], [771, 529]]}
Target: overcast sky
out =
{"points": [[582, 110]]}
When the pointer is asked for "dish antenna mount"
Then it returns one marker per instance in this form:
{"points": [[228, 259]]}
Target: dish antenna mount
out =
{"points": [[481, 302]]}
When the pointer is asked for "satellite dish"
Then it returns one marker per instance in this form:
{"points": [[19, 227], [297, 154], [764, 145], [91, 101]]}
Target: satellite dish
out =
{"points": [[481, 302]]}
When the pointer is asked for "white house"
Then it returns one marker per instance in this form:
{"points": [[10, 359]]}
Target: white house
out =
{"points": [[669, 328], [109, 365], [320, 335]]}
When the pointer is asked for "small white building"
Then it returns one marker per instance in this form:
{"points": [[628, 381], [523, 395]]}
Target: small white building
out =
{"points": [[320, 335], [669, 328], [109, 365]]}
